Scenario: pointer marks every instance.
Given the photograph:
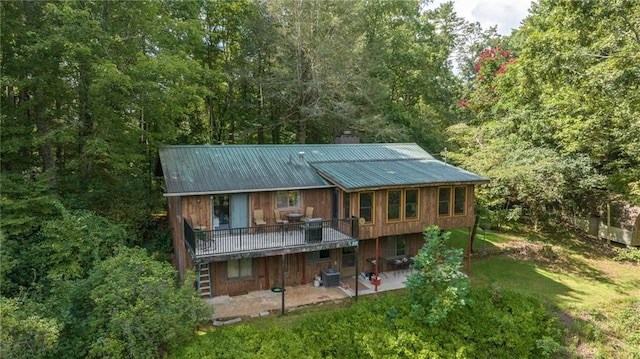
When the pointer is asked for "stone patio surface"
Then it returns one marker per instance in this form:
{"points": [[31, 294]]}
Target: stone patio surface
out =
{"points": [[265, 301]]}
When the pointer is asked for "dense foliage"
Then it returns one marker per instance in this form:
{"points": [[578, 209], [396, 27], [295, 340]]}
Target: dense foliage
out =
{"points": [[436, 286], [553, 114], [91, 90], [495, 324]]}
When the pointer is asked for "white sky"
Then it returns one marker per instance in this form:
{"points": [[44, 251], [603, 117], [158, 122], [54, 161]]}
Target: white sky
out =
{"points": [[506, 14]]}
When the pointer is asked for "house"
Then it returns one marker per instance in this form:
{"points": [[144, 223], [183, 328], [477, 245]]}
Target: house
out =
{"points": [[251, 217]]}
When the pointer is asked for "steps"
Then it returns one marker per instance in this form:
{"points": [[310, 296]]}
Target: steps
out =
{"points": [[204, 280]]}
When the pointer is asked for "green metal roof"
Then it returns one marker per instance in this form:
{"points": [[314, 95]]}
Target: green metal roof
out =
{"points": [[375, 174], [252, 168]]}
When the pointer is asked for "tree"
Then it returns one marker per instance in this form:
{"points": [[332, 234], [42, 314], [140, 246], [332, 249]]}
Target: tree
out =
{"points": [[437, 287], [23, 334], [130, 306]]}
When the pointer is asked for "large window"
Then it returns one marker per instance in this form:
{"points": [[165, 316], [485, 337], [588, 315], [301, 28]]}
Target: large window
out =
{"points": [[411, 203], [452, 200], [394, 203], [444, 200], [396, 246], [402, 204], [240, 268], [459, 200], [346, 204], [288, 199], [319, 256], [366, 206]]}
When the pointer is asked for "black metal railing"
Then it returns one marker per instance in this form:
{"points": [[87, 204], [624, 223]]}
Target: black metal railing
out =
{"points": [[259, 238]]}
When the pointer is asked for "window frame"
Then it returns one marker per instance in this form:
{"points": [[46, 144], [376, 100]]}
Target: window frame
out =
{"points": [[455, 200], [451, 201], [392, 244], [403, 205], [400, 205], [311, 258], [288, 193], [346, 205], [373, 207], [417, 203], [240, 275]]}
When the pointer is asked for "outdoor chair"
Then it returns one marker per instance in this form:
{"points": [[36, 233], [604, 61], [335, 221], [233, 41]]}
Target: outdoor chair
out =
{"points": [[309, 213], [278, 219], [258, 218], [195, 223]]}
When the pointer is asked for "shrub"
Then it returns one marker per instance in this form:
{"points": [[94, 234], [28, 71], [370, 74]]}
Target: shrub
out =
{"points": [[631, 254]]}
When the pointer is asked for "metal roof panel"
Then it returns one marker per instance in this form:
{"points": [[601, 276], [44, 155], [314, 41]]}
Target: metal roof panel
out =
{"points": [[217, 169]]}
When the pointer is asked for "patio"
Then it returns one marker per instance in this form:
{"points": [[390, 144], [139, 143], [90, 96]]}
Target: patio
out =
{"points": [[261, 302]]}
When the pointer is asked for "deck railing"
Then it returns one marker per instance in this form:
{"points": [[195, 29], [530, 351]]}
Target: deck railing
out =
{"points": [[258, 238]]}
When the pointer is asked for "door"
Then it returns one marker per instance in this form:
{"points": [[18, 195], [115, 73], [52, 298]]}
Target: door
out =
{"points": [[348, 263], [239, 210], [221, 215]]}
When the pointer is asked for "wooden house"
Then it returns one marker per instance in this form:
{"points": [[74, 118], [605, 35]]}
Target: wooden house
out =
{"points": [[251, 217]]}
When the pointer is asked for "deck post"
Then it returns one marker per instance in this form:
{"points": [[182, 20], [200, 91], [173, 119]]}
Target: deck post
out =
{"points": [[283, 277], [357, 273], [377, 260]]}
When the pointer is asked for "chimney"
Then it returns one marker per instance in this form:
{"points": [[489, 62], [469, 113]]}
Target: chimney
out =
{"points": [[301, 156], [347, 138]]}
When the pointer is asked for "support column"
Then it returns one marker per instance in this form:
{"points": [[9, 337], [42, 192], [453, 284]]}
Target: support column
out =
{"points": [[283, 279]]}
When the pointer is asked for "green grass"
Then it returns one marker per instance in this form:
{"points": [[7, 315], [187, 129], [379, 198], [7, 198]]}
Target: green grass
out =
{"points": [[581, 283]]}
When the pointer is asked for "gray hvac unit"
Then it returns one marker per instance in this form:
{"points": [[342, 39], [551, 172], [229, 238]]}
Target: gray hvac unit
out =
{"points": [[330, 278]]}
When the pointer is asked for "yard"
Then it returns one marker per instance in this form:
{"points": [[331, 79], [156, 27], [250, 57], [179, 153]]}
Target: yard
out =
{"points": [[594, 300]]}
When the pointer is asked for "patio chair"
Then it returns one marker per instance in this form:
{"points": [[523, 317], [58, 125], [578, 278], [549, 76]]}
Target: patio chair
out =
{"points": [[309, 213], [195, 223], [258, 218], [278, 218]]}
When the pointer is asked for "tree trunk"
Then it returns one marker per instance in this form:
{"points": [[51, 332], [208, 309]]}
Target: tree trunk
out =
{"points": [[474, 229]]}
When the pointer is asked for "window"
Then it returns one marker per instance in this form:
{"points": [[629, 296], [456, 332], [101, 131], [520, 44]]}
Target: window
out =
{"points": [[394, 199], [459, 201], [402, 204], [452, 200], [240, 268], [319, 256], [366, 206], [288, 199], [396, 246], [411, 203], [346, 205], [444, 198]]}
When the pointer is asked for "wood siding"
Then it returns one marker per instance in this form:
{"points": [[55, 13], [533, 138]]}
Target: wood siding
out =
{"points": [[428, 214], [267, 273], [320, 199]]}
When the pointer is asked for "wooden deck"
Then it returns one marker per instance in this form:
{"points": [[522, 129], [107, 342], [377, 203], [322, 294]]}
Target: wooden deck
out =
{"points": [[226, 244]]}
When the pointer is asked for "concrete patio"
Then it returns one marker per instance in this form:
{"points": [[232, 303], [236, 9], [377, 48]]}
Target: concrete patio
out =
{"points": [[265, 302]]}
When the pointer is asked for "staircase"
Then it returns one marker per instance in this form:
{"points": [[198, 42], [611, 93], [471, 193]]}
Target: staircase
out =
{"points": [[204, 280]]}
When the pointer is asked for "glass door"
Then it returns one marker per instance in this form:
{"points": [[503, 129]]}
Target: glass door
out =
{"points": [[220, 211], [348, 267]]}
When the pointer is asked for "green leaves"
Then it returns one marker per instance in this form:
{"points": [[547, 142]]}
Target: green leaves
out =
{"points": [[438, 287], [137, 309]]}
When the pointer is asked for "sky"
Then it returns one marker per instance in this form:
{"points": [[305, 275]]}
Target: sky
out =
{"points": [[506, 14]]}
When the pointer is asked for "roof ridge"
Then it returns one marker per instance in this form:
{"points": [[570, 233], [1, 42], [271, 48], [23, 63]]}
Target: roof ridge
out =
{"points": [[378, 160]]}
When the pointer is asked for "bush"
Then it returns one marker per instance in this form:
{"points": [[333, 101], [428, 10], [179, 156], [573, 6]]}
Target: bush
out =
{"points": [[631, 254], [497, 324]]}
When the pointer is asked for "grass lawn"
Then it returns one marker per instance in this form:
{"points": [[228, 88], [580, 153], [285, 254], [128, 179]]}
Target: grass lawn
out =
{"points": [[578, 279], [596, 298]]}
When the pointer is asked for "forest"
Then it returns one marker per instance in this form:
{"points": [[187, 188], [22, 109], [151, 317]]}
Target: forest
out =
{"points": [[92, 89]]}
